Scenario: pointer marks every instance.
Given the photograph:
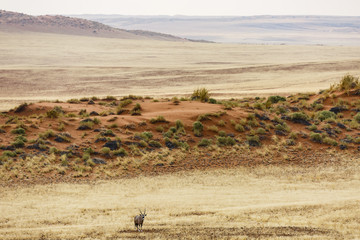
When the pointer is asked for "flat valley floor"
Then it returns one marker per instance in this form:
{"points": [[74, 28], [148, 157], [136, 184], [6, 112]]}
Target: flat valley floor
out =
{"points": [[267, 202], [40, 66]]}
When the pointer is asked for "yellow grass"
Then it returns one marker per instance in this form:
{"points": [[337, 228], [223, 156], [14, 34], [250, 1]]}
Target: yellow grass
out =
{"points": [[266, 202], [36, 66]]}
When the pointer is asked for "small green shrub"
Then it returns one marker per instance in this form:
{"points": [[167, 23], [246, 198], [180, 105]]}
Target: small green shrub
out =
{"points": [[221, 123], [201, 94], [357, 117], [225, 141], [282, 127], [204, 117], [158, 119], [239, 128], [19, 131], [198, 128], [253, 140], [145, 135], [205, 142], [213, 128], [259, 106], [125, 103], [325, 115], [8, 153], [156, 144], [261, 131], [21, 108], [212, 101], [348, 82], [73, 100], [55, 112], [110, 98], [18, 143], [293, 135], [276, 99], [330, 141], [315, 137], [299, 116], [47, 134], [312, 127], [120, 152], [105, 150], [159, 129], [136, 110]]}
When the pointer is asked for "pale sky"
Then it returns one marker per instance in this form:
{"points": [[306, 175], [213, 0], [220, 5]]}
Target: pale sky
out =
{"points": [[185, 7]]}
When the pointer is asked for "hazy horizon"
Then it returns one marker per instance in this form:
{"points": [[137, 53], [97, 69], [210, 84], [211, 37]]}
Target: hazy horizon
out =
{"points": [[185, 7]]}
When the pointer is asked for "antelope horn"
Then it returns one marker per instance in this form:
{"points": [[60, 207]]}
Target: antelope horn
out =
{"points": [[140, 211], [145, 211]]}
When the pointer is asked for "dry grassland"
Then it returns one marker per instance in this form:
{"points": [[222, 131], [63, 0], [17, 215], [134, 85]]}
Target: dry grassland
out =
{"points": [[265, 202], [38, 66]]}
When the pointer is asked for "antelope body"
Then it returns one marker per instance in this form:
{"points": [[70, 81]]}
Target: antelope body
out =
{"points": [[139, 220]]}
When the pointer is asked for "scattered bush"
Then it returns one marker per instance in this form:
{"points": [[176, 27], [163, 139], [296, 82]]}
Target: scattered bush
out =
{"points": [[125, 103], [136, 110], [155, 144], [61, 127], [110, 98], [105, 150], [86, 125], [348, 82], [299, 116], [212, 101], [239, 128], [18, 143], [325, 115], [330, 141], [47, 134], [276, 99], [205, 142], [8, 153], [261, 131], [158, 119], [120, 152], [73, 100], [204, 117], [19, 130], [55, 112], [357, 117], [159, 129], [315, 137], [63, 137], [282, 127], [225, 141], [221, 123], [198, 128], [201, 94], [253, 140], [21, 108], [213, 128], [145, 135]]}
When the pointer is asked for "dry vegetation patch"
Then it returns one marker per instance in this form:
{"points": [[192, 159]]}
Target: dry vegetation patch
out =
{"points": [[267, 202]]}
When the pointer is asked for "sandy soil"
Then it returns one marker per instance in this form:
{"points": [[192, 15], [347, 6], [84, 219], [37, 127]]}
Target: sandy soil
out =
{"points": [[243, 203], [37, 66]]}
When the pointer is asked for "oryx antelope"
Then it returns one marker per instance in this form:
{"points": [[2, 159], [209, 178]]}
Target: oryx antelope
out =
{"points": [[139, 220]]}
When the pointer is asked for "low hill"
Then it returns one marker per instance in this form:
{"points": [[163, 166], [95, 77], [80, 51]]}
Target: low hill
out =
{"points": [[92, 138], [12, 21], [327, 30]]}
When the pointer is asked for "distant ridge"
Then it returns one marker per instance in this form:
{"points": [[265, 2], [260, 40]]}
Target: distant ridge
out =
{"points": [[295, 30], [13, 21]]}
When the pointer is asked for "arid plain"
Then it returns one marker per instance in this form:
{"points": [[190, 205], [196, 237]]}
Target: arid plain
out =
{"points": [[41, 66], [307, 199]]}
